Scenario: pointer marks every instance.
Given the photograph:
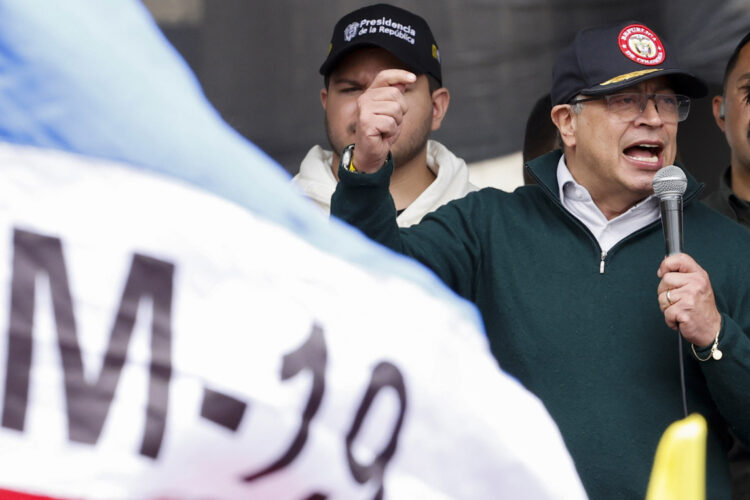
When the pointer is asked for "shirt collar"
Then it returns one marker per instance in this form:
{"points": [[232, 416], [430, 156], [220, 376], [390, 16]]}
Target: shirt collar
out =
{"points": [[577, 200], [570, 190]]}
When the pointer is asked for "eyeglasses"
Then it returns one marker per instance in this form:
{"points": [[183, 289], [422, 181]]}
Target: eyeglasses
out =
{"points": [[672, 108]]}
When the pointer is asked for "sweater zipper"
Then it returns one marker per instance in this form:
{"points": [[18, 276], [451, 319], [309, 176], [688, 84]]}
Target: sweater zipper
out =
{"points": [[580, 224]]}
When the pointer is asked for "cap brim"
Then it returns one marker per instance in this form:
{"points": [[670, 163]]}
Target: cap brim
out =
{"points": [[335, 58], [682, 83]]}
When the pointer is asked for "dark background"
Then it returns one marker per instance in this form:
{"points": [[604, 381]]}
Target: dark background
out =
{"points": [[258, 63]]}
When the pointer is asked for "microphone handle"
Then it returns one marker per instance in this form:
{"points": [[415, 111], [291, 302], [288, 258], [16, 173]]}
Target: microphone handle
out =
{"points": [[671, 222]]}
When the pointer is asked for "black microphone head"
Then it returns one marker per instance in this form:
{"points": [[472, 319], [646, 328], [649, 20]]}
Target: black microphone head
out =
{"points": [[669, 180]]}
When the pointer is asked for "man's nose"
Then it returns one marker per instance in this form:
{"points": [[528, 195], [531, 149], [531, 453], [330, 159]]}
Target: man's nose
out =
{"points": [[650, 113]]}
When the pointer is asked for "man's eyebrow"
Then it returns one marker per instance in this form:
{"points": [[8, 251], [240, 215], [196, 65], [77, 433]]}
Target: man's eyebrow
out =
{"points": [[345, 81], [745, 76]]}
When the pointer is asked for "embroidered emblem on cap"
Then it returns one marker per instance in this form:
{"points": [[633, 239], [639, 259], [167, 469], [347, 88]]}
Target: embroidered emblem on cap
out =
{"points": [[351, 31], [640, 44], [435, 52]]}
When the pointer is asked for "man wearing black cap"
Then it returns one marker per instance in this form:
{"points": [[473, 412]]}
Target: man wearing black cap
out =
{"points": [[732, 114], [577, 297], [364, 43]]}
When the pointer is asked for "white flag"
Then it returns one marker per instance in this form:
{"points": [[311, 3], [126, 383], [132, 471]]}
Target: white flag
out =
{"points": [[176, 322]]}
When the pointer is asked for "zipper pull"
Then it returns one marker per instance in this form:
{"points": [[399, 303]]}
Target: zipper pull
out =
{"points": [[601, 264]]}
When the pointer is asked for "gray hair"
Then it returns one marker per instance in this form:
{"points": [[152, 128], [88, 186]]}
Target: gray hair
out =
{"points": [[577, 107]]}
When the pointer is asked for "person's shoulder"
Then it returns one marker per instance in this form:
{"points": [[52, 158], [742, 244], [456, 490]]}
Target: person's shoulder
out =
{"points": [[713, 197], [714, 224], [521, 194], [718, 244], [439, 157], [436, 148], [715, 200], [495, 202], [315, 166], [490, 194]]}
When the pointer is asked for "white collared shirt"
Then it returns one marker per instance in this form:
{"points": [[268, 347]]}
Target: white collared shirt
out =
{"points": [[577, 200]]}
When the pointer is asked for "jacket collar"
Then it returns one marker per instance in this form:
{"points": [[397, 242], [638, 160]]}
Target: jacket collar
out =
{"points": [[544, 170]]}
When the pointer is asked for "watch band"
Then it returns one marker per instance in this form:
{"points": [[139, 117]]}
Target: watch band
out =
{"points": [[346, 160]]}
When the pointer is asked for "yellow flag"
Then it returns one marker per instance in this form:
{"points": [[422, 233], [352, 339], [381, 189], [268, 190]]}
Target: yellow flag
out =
{"points": [[679, 471]]}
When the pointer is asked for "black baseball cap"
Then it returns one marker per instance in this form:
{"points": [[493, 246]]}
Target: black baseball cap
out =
{"points": [[604, 60], [405, 35]]}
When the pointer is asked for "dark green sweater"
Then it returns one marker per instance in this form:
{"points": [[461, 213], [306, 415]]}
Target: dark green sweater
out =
{"points": [[584, 332]]}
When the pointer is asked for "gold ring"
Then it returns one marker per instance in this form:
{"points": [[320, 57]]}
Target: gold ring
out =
{"points": [[669, 298]]}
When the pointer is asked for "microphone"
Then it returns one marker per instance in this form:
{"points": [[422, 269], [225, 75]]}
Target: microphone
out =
{"points": [[669, 185]]}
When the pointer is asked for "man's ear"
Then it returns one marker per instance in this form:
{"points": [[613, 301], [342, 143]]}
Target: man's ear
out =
{"points": [[565, 119], [441, 99], [323, 97], [719, 111]]}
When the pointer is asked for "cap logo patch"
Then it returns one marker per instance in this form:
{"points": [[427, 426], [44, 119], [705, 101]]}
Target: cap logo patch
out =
{"points": [[641, 45], [351, 31], [435, 52], [383, 26]]}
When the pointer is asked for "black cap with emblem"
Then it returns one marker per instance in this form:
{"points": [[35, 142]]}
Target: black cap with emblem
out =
{"points": [[405, 35], [604, 60]]}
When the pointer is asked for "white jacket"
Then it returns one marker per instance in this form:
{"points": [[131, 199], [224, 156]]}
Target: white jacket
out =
{"points": [[452, 181]]}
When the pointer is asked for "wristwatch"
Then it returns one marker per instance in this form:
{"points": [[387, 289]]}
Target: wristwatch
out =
{"points": [[347, 158]]}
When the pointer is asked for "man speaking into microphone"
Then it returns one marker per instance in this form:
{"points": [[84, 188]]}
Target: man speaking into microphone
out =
{"points": [[570, 274]]}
